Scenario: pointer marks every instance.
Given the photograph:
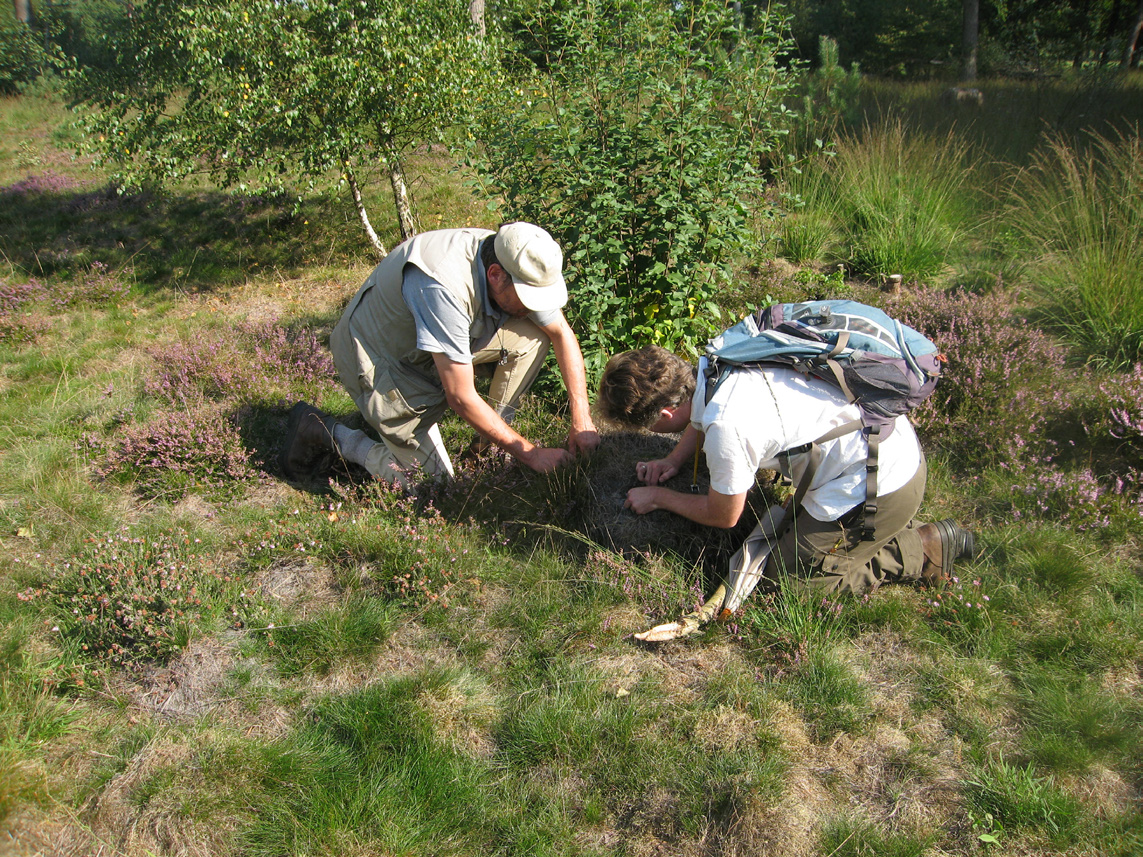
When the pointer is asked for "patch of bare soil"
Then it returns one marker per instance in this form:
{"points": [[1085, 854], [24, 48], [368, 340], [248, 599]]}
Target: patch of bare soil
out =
{"points": [[187, 687], [295, 581], [611, 474], [463, 713], [270, 493], [1107, 792]]}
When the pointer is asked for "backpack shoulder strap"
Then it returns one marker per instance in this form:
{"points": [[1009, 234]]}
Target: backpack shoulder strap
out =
{"points": [[814, 449]]}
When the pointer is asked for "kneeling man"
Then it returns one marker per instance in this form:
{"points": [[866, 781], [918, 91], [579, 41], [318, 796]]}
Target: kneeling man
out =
{"points": [[407, 343]]}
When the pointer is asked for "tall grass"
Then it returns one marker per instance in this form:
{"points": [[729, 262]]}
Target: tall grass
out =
{"points": [[903, 196], [889, 201], [1079, 213], [810, 227]]}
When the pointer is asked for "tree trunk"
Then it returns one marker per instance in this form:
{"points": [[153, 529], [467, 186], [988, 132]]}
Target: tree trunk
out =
{"points": [[401, 196], [23, 11], [476, 14], [1133, 37], [378, 247], [970, 39]]}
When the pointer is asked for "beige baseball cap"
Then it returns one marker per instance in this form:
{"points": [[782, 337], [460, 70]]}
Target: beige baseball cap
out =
{"points": [[535, 263]]}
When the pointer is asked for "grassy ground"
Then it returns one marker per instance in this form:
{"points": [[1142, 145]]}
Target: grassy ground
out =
{"points": [[197, 657]]}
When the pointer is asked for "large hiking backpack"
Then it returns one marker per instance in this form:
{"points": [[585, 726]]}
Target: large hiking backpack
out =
{"points": [[883, 366]]}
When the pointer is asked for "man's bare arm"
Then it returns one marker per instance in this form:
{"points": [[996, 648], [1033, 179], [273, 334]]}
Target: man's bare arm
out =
{"points": [[460, 391], [583, 436]]}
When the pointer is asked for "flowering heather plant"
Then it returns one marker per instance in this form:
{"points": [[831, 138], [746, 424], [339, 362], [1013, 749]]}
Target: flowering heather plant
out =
{"points": [[1118, 416], [18, 323], [1000, 402], [43, 183], [131, 599], [959, 605], [252, 362], [25, 308], [999, 392], [178, 451], [97, 286]]}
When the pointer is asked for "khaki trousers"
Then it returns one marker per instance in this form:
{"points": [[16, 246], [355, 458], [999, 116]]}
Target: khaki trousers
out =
{"points": [[831, 557], [411, 444]]}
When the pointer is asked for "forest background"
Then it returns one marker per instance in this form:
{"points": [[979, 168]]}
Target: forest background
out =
{"points": [[199, 658]]}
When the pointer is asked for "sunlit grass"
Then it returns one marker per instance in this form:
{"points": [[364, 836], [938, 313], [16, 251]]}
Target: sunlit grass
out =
{"points": [[1079, 211], [453, 672]]}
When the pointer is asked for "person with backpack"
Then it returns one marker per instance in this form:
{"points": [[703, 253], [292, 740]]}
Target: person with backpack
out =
{"points": [[773, 416]]}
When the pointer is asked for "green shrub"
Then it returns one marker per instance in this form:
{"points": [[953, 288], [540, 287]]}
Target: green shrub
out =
{"points": [[23, 57], [831, 99], [637, 143]]}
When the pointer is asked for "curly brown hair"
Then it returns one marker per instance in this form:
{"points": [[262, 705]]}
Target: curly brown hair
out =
{"points": [[637, 385]]}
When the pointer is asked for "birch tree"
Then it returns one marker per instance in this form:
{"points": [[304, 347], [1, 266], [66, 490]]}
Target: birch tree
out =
{"points": [[261, 90]]}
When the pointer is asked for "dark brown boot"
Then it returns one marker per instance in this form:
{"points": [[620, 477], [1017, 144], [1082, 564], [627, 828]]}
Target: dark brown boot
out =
{"points": [[943, 543], [309, 442]]}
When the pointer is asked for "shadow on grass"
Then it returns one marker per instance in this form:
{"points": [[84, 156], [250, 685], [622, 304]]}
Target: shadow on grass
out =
{"points": [[579, 508], [575, 510], [57, 226]]}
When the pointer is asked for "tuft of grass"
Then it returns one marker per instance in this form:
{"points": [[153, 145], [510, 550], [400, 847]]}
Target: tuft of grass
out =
{"points": [[904, 201], [1055, 563], [367, 771], [1019, 799], [341, 635], [829, 696], [789, 625], [31, 716], [1079, 212], [810, 228], [1073, 721], [845, 837]]}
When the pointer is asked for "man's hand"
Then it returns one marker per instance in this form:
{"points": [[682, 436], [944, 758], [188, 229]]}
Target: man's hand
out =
{"points": [[642, 500], [582, 440], [546, 459], [460, 391], [655, 472]]}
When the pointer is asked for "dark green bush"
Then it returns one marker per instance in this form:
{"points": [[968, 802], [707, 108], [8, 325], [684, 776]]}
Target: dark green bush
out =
{"points": [[637, 143]]}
